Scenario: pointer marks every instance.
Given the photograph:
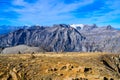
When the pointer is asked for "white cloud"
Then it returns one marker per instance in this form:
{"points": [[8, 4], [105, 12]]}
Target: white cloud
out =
{"points": [[104, 17], [57, 11], [19, 2], [47, 11]]}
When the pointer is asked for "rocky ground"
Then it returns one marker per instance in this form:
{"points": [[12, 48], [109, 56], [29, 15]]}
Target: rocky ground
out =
{"points": [[67, 66]]}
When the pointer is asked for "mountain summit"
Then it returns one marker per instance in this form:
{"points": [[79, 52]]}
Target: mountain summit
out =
{"points": [[57, 38], [62, 37]]}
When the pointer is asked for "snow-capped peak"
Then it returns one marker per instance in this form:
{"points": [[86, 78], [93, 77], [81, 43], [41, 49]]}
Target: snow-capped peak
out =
{"points": [[80, 26]]}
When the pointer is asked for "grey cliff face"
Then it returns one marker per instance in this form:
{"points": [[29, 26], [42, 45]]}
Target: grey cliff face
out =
{"points": [[103, 39], [62, 37], [57, 38]]}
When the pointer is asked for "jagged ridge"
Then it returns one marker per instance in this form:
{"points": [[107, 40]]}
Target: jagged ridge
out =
{"points": [[56, 38], [62, 37]]}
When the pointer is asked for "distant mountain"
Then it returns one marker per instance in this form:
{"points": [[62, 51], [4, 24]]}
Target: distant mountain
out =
{"points": [[104, 39], [4, 29], [62, 37]]}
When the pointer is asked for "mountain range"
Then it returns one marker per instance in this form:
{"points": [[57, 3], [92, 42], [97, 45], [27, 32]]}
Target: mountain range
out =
{"points": [[67, 38]]}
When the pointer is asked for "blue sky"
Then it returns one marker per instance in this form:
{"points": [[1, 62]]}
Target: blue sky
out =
{"points": [[48, 12]]}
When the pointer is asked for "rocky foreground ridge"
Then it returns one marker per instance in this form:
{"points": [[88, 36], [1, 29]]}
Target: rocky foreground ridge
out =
{"points": [[69, 66], [65, 38]]}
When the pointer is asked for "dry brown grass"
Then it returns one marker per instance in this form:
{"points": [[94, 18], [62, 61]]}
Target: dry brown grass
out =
{"points": [[52, 66]]}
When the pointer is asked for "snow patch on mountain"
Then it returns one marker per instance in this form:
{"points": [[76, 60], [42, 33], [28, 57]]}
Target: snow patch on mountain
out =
{"points": [[77, 26]]}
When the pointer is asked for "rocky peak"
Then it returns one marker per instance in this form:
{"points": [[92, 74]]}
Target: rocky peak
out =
{"points": [[61, 25], [109, 27], [88, 28], [64, 37], [56, 38]]}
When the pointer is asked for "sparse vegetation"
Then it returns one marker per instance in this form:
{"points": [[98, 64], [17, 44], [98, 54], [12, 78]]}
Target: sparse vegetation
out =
{"points": [[51, 66]]}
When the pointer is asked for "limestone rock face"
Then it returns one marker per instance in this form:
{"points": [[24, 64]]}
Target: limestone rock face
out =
{"points": [[62, 37], [57, 38]]}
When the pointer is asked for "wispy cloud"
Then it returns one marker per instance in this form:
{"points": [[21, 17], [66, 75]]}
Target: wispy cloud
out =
{"points": [[47, 12], [108, 14]]}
